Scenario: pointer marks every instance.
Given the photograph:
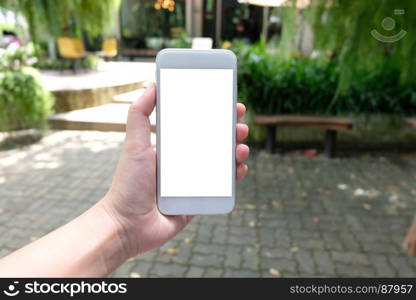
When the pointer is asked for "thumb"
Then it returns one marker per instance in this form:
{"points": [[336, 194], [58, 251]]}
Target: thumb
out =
{"points": [[138, 126]]}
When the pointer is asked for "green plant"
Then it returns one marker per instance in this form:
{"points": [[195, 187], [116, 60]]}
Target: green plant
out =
{"points": [[183, 41], [91, 62], [14, 58], [24, 102], [345, 28], [52, 18], [270, 83]]}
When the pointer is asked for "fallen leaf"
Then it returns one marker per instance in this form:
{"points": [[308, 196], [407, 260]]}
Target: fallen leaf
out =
{"points": [[258, 246], [134, 275], [310, 153], [373, 194], [276, 204], [294, 249], [393, 197], [342, 186], [367, 206], [391, 188], [250, 206], [274, 272], [187, 240], [172, 250], [359, 192]]}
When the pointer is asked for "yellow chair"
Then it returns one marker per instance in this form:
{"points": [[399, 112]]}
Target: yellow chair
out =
{"points": [[72, 49], [79, 47], [109, 48]]}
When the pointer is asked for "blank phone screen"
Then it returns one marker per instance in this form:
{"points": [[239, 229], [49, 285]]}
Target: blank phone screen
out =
{"points": [[196, 132]]}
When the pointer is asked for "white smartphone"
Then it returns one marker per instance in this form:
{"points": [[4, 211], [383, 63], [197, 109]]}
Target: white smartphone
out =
{"points": [[196, 131]]}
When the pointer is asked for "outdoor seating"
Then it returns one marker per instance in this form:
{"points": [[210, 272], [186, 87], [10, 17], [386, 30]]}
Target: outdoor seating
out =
{"points": [[331, 124], [72, 49], [109, 48]]}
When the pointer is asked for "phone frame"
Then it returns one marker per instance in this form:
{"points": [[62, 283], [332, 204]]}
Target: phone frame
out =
{"points": [[196, 59]]}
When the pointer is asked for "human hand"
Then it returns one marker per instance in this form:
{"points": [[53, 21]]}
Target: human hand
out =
{"points": [[131, 200], [409, 243]]}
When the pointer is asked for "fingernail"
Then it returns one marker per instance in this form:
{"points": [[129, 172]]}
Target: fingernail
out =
{"points": [[149, 88]]}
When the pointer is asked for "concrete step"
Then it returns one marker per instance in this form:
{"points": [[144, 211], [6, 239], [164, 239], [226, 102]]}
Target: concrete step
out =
{"points": [[129, 97], [107, 117]]}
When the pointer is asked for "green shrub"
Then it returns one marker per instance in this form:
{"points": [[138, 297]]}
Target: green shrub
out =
{"points": [[24, 102], [91, 62], [271, 84]]}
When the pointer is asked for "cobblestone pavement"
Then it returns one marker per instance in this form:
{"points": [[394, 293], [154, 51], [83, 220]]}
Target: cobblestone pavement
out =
{"points": [[295, 216]]}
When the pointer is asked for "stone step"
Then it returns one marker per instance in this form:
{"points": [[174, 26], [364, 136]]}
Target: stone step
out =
{"points": [[107, 117], [129, 97]]}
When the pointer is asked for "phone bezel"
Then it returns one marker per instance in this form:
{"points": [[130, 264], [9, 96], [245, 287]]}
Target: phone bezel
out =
{"points": [[196, 59]]}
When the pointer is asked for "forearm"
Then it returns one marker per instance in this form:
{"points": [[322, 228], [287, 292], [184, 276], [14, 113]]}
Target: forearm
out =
{"points": [[89, 246]]}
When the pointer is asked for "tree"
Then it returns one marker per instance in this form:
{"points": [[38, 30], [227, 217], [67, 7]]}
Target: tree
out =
{"points": [[363, 35], [53, 18]]}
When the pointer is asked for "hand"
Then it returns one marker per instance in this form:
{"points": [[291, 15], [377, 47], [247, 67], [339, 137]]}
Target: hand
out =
{"points": [[409, 243], [131, 200]]}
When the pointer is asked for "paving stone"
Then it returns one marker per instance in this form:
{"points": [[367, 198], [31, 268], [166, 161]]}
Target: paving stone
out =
{"points": [[382, 266], [242, 273], [168, 270], [401, 265], [305, 261], [142, 268], [345, 270], [354, 258], [213, 272], [233, 256], [210, 260], [195, 272], [324, 264], [290, 215], [279, 264]]}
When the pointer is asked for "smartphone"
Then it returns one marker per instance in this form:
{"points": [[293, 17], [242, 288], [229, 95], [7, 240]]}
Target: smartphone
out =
{"points": [[196, 131]]}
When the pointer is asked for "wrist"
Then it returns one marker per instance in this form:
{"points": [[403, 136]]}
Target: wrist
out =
{"points": [[119, 226], [118, 247]]}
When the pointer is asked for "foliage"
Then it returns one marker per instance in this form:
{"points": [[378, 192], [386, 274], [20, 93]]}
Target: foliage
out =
{"points": [[140, 19], [24, 102], [91, 62], [273, 84], [53, 18], [344, 28], [15, 58], [183, 41]]}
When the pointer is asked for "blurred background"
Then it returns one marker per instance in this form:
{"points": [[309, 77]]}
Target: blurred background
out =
{"points": [[330, 89]]}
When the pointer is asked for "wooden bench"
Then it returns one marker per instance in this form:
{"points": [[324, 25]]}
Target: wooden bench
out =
{"points": [[331, 124]]}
